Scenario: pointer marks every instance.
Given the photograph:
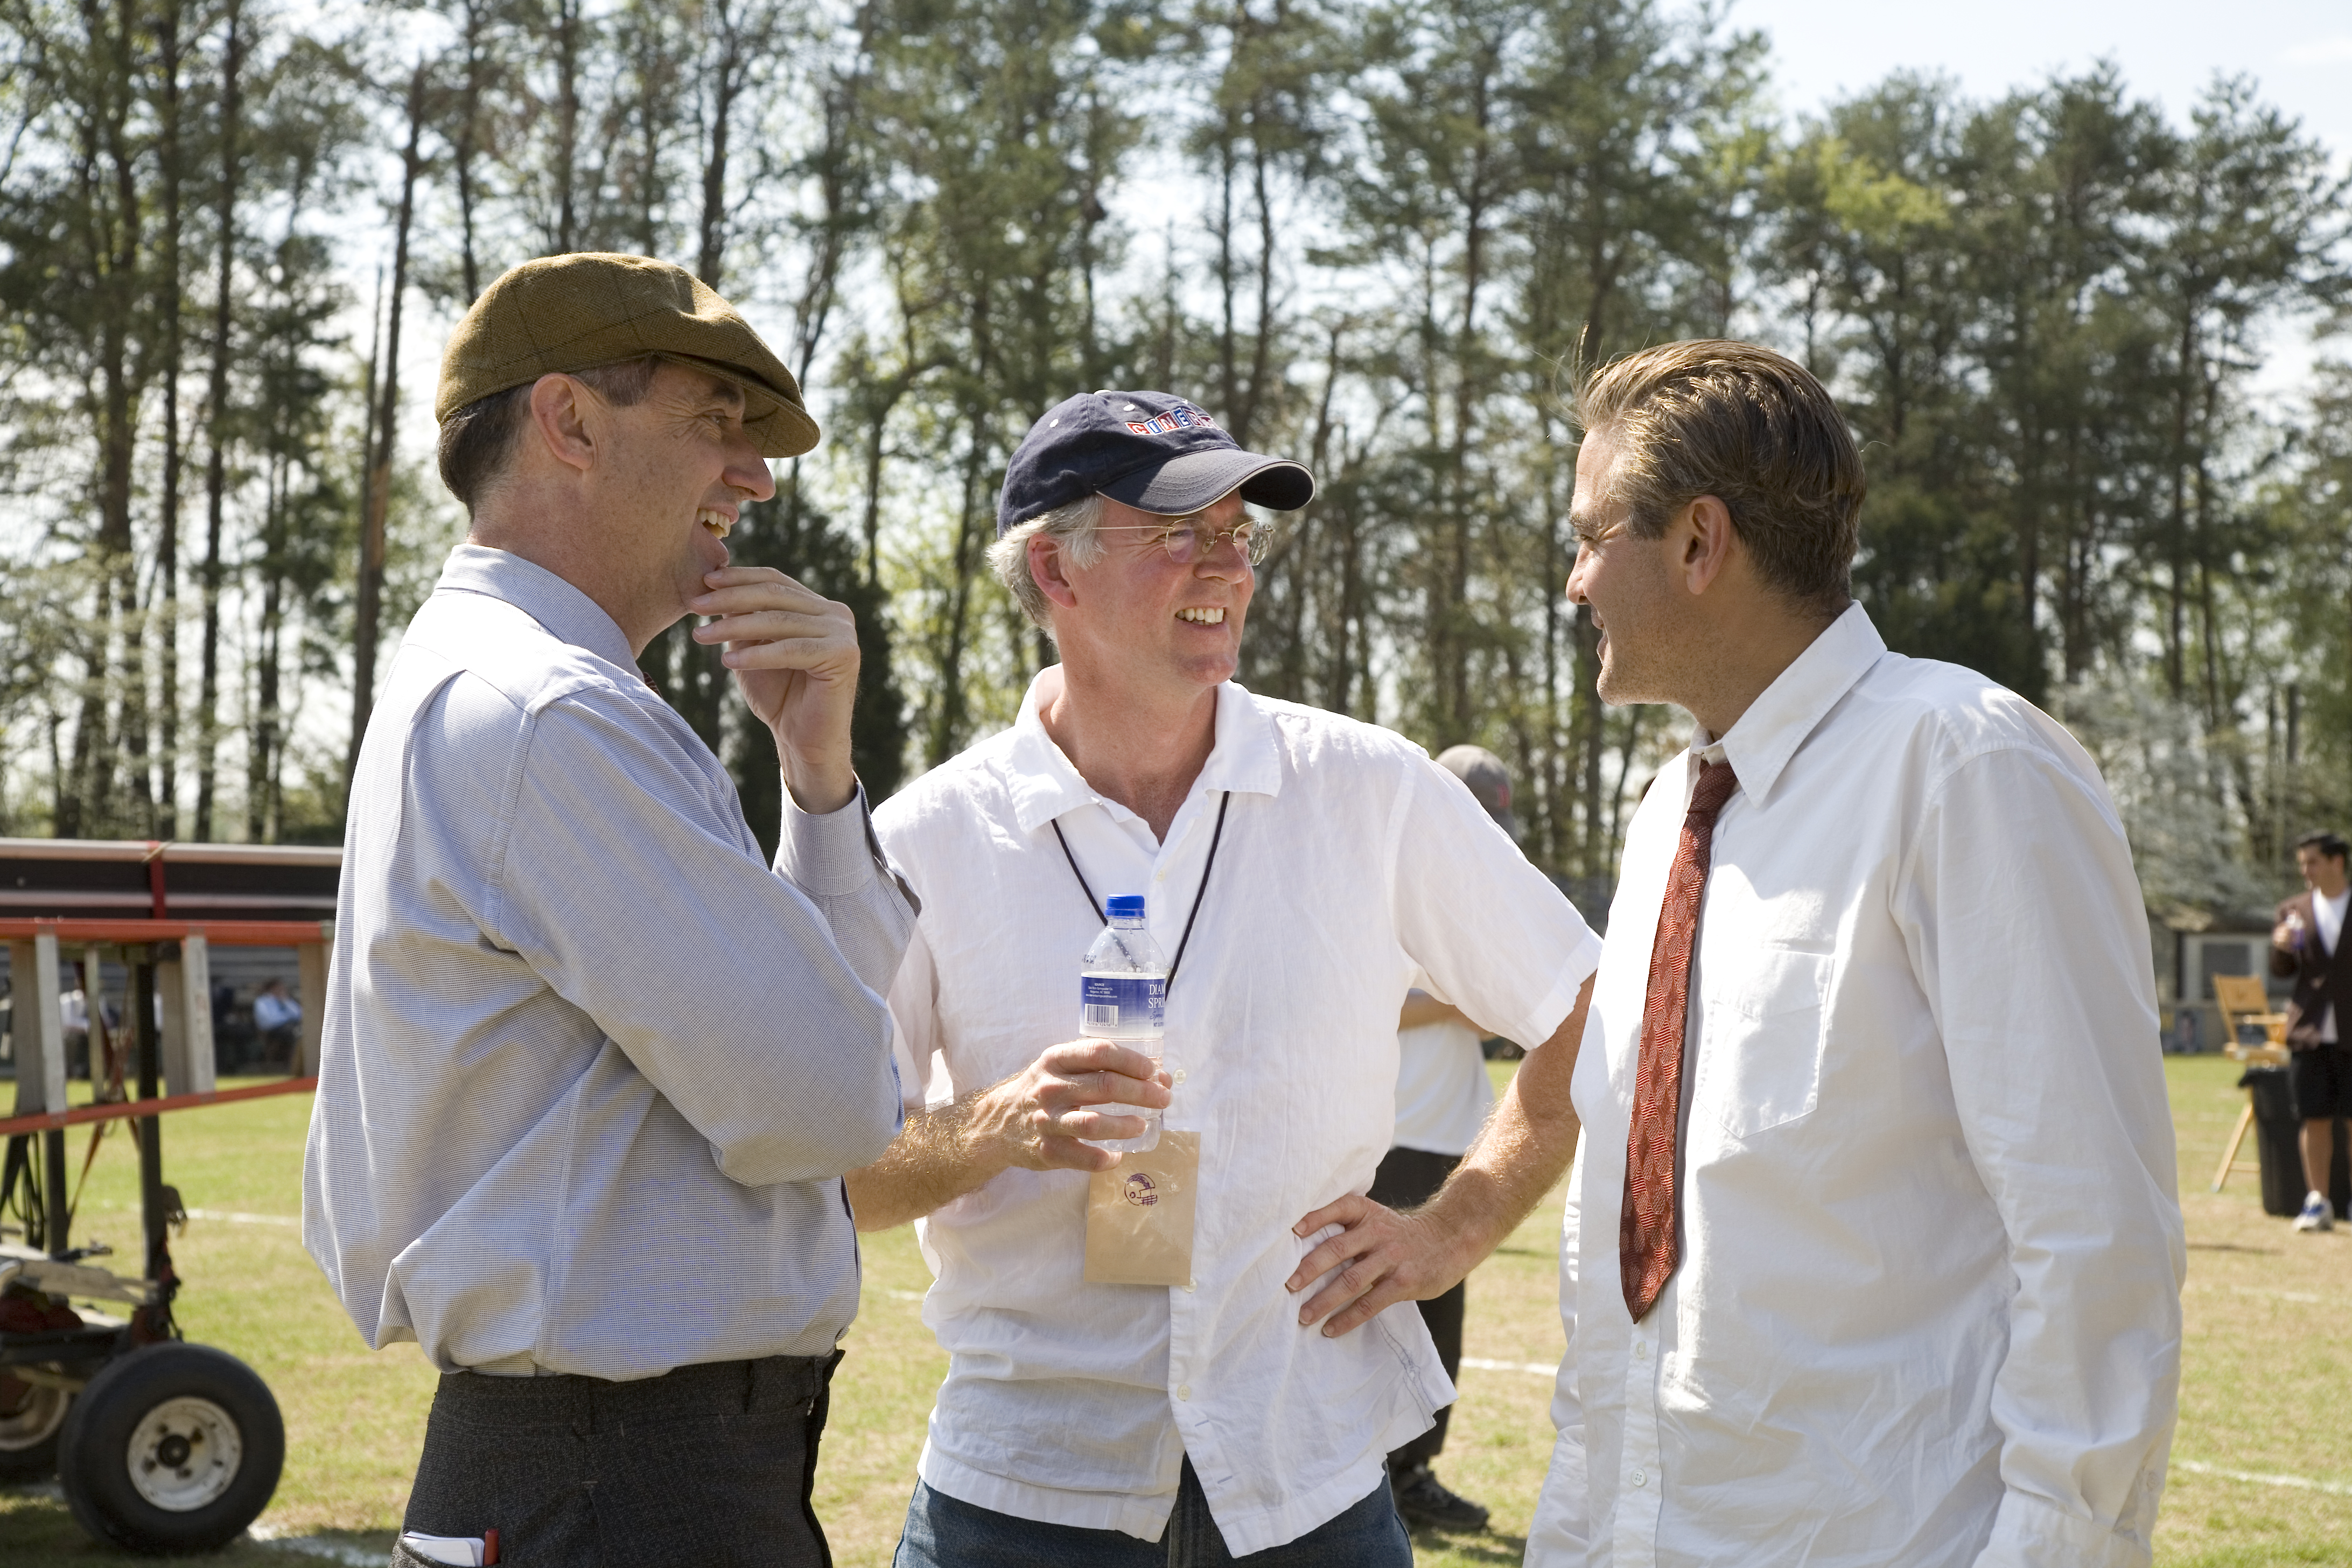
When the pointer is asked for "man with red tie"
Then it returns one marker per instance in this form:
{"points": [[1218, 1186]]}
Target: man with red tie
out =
{"points": [[1872, 1253]]}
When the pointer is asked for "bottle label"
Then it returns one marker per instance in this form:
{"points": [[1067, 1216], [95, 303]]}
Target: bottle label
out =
{"points": [[1129, 1003]]}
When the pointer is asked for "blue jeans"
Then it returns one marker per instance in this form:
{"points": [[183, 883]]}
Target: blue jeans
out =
{"points": [[943, 1533]]}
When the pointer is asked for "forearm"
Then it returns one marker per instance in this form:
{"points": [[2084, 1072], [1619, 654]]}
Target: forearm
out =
{"points": [[937, 1159], [1517, 1159], [1522, 1153]]}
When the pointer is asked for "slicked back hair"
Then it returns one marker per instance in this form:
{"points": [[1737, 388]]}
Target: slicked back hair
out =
{"points": [[478, 441], [1754, 429]]}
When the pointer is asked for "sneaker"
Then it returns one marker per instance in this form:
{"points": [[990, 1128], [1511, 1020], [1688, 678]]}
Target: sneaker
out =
{"points": [[1424, 1502], [2316, 1214]]}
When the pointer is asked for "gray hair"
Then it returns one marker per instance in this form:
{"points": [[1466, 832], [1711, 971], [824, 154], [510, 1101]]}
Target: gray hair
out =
{"points": [[1073, 527]]}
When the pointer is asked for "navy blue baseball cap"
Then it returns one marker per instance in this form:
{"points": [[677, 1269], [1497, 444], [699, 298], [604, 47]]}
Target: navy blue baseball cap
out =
{"points": [[1153, 451]]}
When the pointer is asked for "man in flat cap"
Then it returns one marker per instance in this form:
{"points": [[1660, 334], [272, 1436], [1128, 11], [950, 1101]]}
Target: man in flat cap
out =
{"points": [[1151, 1354], [592, 1070]]}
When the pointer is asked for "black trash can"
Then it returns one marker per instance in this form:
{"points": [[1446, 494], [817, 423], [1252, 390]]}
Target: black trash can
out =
{"points": [[2278, 1142]]}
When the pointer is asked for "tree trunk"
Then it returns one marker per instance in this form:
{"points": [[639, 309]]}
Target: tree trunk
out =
{"points": [[207, 714], [465, 146], [114, 257], [567, 117], [166, 595], [262, 746], [368, 615]]}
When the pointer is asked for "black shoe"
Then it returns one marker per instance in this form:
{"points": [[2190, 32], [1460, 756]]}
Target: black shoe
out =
{"points": [[1424, 1502]]}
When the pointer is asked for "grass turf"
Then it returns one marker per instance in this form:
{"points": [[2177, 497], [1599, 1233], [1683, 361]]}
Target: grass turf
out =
{"points": [[2268, 1354]]}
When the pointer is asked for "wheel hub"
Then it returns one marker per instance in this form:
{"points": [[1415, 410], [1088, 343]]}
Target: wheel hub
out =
{"points": [[29, 1413], [184, 1454]]}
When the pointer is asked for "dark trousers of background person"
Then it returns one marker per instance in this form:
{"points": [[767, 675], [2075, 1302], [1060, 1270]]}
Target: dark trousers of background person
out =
{"points": [[280, 1046], [707, 1465], [1407, 1177]]}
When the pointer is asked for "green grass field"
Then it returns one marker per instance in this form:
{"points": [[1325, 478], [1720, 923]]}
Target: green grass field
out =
{"points": [[2262, 1472]]}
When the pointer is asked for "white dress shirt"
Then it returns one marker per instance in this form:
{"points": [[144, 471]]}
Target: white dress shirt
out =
{"points": [[1348, 861], [591, 1070], [1927, 1309]]}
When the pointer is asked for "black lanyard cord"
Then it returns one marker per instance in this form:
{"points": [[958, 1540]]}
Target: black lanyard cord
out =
{"points": [[1224, 802]]}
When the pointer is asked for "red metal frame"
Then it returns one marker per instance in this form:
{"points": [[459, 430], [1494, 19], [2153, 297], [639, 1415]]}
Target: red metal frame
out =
{"points": [[219, 934], [45, 1120]]}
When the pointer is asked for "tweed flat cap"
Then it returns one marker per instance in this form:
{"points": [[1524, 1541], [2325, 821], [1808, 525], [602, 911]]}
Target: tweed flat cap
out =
{"points": [[577, 311]]}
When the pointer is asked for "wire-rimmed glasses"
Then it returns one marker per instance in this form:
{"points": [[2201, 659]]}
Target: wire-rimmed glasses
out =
{"points": [[1189, 539]]}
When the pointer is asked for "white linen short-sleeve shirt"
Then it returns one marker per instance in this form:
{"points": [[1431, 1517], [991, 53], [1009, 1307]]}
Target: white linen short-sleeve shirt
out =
{"points": [[1348, 861]]}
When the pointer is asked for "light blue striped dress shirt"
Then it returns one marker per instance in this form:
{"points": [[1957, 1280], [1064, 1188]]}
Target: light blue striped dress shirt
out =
{"points": [[591, 1068]]}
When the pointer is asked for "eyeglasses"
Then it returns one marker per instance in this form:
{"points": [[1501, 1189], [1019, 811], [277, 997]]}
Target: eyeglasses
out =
{"points": [[1188, 540]]}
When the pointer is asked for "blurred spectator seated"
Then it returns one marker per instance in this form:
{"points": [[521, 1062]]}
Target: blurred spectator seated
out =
{"points": [[279, 1018]]}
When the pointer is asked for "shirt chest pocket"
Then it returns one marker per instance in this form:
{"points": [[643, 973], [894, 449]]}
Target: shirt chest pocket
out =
{"points": [[1760, 1045]]}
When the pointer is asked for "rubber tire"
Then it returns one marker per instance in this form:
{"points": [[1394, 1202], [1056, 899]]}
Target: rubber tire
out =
{"points": [[93, 1462], [35, 1462]]}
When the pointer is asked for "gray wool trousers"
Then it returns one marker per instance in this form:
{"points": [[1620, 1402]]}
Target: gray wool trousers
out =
{"points": [[711, 1465]]}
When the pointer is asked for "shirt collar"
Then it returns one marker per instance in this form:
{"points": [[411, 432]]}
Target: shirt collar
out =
{"points": [[1044, 783], [566, 611], [1760, 744]]}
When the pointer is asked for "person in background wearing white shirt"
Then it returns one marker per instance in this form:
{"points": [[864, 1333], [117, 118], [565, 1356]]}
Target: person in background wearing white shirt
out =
{"points": [[1873, 1252], [2309, 944], [1443, 1097], [1236, 1391], [276, 1016], [592, 1068]]}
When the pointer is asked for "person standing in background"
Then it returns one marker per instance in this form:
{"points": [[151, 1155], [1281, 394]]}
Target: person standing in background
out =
{"points": [[2309, 944], [1442, 1101], [279, 1018]]}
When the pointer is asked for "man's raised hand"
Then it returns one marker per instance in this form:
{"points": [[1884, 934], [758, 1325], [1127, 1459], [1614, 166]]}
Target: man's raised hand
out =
{"points": [[794, 655]]}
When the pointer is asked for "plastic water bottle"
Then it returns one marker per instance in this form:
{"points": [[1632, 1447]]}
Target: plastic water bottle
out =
{"points": [[1123, 996]]}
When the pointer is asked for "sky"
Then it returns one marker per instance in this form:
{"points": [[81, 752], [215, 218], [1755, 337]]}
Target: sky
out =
{"points": [[2299, 52]]}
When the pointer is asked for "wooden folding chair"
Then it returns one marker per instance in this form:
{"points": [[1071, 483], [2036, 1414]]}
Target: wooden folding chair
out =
{"points": [[2245, 1002]]}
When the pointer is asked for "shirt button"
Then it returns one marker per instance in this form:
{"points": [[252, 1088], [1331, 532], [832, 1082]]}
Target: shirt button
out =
{"points": [[1641, 1350], [1183, 1391], [1641, 1478], [1180, 1075]]}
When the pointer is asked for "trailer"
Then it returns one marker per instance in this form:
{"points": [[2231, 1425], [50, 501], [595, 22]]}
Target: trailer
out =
{"points": [[159, 1445]]}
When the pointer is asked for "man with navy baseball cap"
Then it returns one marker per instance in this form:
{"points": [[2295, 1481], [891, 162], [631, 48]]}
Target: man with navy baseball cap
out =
{"points": [[1147, 450], [1204, 1350]]}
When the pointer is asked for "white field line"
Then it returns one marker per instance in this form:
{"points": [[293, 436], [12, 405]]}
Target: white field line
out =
{"points": [[344, 1552], [231, 1217], [2301, 1483], [1534, 1368], [2304, 1296]]}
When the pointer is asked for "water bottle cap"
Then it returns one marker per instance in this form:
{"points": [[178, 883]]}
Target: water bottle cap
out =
{"points": [[1127, 908]]}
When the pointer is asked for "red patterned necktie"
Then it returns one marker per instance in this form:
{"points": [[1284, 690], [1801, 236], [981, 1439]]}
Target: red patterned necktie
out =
{"points": [[1645, 1230]]}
